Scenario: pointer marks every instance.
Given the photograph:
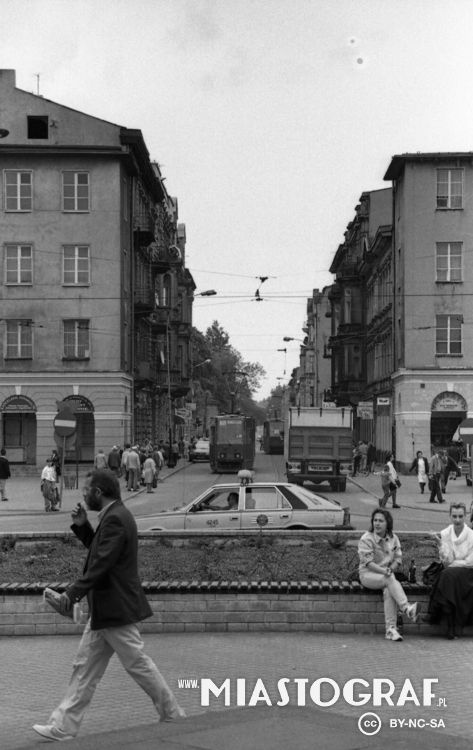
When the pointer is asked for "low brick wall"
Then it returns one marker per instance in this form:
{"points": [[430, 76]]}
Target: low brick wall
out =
{"points": [[337, 607]]}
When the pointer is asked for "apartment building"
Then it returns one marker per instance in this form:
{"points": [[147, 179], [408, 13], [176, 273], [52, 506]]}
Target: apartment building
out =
{"points": [[96, 302], [432, 292]]}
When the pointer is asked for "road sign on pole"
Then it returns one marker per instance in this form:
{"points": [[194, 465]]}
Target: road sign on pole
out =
{"points": [[65, 425]]}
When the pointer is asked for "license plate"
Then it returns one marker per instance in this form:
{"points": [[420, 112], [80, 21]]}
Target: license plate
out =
{"points": [[320, 467]]}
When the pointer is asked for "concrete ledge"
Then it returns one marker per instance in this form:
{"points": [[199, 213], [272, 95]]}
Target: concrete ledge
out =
{"points": [[225, 606]]}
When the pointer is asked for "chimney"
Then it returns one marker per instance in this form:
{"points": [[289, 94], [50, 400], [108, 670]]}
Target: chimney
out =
{"points": [[7, 78]]}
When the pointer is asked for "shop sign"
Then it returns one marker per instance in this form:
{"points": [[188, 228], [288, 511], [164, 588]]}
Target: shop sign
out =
{"points": [[18, 403], [449, 401], [365, 410], [383, 401]]}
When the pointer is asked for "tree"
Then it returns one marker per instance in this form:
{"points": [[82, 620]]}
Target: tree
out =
{"points": [[227, 377]]}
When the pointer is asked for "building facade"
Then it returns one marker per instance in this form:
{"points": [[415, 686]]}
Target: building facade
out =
{"points": [[432, 292], [96, 303]]}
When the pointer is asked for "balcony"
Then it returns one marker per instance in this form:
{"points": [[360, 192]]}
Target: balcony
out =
{"points": [[158, 319], [179, 383], [143, 299], [143, 228], [163, 257], [144, 372]]}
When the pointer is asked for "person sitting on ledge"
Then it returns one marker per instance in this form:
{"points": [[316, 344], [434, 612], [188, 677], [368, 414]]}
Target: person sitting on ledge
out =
{"points": [[380, 555], [451, 598]]}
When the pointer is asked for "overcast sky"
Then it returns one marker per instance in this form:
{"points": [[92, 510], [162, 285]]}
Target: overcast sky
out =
{"points": [[269, 118]]}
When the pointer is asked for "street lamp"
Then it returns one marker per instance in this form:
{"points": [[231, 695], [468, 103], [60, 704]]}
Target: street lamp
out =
{"points": [[207, 293], [291, 338]]}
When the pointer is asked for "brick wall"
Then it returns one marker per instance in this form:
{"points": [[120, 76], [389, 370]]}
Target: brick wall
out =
{"points": [[224, 607]]}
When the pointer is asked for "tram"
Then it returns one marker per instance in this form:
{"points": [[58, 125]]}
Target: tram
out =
{"points": [[273, 436], [232, 443]]}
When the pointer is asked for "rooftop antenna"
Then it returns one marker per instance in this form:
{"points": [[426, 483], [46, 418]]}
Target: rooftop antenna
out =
{"points": [[37, 75]]}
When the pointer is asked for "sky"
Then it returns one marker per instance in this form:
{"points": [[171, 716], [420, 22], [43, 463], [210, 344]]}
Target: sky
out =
{"points": [[269, 118]]}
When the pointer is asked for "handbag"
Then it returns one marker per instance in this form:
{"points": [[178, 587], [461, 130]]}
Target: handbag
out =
{"points": [[431, 573], [398, 482]]}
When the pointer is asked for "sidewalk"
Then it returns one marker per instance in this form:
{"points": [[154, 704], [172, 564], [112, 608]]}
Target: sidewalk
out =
{"points": [[25, 493], [121, 716]]}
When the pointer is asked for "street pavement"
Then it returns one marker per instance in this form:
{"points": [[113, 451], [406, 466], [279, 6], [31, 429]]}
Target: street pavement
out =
{"points": [[35, 671], [416, 513]]}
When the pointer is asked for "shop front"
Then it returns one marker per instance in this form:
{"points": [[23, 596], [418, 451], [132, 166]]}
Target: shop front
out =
{"points": [[18, 418]]}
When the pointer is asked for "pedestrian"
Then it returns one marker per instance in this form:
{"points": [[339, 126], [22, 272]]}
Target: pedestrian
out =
{"points": [[380, 554], [175, 452], [450, 467], [421, 466], [389, 482], [114, 461], [100, 460], [5, 473], [435, 473], [159, 463], [149, 472], [48, 486], [385, 485], [370, 458], [116, 604], [133, 467], [356, 459], [123, 463], [363, 448]]}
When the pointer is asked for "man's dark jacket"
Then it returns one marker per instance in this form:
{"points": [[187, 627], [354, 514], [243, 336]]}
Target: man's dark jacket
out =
{"points": [[110, 577], [4, 468]]}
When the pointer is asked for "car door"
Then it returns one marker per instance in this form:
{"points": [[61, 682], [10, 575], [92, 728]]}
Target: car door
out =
{"points": [[213, 512], [265, 507]]}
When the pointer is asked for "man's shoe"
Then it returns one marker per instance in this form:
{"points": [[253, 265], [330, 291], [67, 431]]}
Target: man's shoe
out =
{"points": [[4, 499], [396, 506], [393, 634], [175, 715], [51, 732]]}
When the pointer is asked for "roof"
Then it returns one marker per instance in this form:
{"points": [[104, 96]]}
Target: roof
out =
{"points": [[398, 162]]}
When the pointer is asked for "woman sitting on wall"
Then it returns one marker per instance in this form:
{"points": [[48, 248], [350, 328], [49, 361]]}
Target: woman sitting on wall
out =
{"points": [[380, 557], [452, 594]]}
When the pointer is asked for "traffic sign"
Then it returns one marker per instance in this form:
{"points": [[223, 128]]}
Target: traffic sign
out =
{"points": [[65, 423]]}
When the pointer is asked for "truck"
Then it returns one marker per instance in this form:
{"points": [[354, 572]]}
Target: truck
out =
{"points": [[318, 445]]}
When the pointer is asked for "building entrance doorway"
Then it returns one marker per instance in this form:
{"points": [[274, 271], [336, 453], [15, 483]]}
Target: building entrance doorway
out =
{"points": [[18, 415], [84, 450], [449, 409]]}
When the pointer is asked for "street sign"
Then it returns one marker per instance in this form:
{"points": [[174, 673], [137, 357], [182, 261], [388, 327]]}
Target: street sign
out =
{"points": [[65, 423]]}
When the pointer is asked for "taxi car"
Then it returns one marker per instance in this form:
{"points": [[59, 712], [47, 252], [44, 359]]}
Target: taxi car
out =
{"points": [[200, 451], [274, 505]]}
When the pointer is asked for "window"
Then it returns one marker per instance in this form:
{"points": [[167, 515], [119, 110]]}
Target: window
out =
{"points": [[75, 191], [76, 266], [449, 188], [19, 339], [18, 190], [76, 339], [449, 261], [38, 126], [449, 338], [18, 264]]}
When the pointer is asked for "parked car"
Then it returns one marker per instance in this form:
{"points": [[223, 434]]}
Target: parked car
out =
{"points": [[200, 451], [275, 505]]}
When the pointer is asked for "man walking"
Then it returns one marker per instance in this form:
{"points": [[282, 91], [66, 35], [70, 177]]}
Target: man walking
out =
{"points": [[435, 474], [116, 604], [133, 467], [4, 473]]}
